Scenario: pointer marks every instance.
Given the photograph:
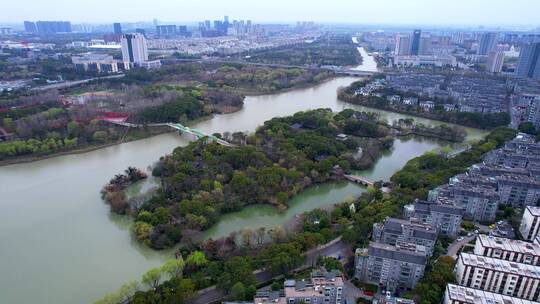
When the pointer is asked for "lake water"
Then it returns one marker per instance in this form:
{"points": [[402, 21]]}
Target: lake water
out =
{"points": [[60, 244]]}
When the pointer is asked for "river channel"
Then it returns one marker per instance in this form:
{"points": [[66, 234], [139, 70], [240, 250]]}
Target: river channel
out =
{"points": [[59, 243]]}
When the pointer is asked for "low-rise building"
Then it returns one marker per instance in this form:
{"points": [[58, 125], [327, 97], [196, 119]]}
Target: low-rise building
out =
{"points": [[425, 61], [99, 63], [498, 276], [530, 223], [393, 231], [507, 249], [455, 294]]}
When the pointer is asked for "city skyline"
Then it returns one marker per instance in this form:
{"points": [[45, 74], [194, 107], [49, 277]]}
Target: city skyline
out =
{"points": [[410, 12]]}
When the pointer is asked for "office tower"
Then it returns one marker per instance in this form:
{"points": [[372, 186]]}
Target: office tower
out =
{"points": [[134, 49], [495, 62], [53, 27], [117, 28], [415, 42], [141, 31], [403, 45], [30, 27], [529, 61], [488, 42], [207, 24], [530, 223]]}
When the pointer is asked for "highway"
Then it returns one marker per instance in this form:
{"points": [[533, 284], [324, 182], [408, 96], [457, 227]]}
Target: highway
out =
{"points": [[67, 84]]}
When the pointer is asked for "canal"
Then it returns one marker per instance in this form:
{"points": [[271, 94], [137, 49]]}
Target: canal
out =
{"points": [[61, 245]]}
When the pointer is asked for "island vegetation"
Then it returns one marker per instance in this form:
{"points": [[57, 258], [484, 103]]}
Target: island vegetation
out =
{"points": [[470, 119], [204, 180], [113, 192], [229, 262]]}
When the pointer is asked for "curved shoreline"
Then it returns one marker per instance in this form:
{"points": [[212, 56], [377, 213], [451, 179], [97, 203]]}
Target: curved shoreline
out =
{"points": [[90, 148]]}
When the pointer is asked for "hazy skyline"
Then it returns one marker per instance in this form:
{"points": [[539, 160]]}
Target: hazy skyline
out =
{"points": [[433, 12]]}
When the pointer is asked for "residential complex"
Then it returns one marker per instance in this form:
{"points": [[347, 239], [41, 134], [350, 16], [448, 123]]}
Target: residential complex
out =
{"points": [[393, 267], [508, 175], [499, 276], [393, 231], [530, 223], [445, 218], [324, 287], [455, 294], [507, 249], [529, 61]]}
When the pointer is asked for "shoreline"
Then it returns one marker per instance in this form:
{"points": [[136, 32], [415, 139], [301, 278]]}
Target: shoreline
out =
{"points": [[414, 114], [90, 148]]}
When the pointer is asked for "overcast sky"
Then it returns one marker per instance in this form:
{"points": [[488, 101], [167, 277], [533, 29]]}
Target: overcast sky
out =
{"points": [[433, 12]]}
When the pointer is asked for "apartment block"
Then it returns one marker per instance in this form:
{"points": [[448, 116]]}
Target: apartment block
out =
{"points": [[445, 218], [324, 287], [393, 231], [530, 223], [394, 267], [480, 203], [455, 294], [507, 249], [499, 276]]}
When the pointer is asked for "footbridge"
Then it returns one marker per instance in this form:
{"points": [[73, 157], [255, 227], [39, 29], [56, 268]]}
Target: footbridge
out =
{"points": [[195, 132], [358, 179]]}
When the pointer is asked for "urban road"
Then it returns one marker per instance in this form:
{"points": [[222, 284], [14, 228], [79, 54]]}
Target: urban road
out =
{"points": [[334, 248]]}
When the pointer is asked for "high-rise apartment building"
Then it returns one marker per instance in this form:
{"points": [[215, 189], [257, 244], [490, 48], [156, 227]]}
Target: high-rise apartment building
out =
{"points": [[53, 27], [134, 49], [403, 45], [166, 30], [529, 61], [30, 27], [487, 43], [415, 42], [117, 28], [495, 62]]}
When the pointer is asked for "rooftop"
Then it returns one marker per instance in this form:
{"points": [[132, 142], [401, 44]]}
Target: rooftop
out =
{"points": [[500, 265], [535, 211], [474, 296], [509, 245], [397, 253]]}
